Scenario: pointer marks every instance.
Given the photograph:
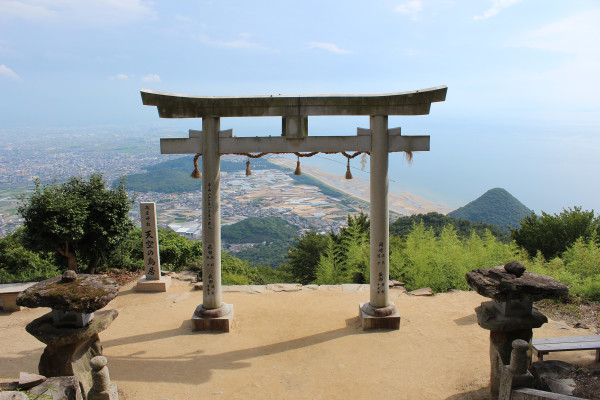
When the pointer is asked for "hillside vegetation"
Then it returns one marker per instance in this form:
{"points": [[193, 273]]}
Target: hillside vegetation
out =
{"points": [[497, 207], [163, 180], [404, 225], [425, 250], [258, 230]]}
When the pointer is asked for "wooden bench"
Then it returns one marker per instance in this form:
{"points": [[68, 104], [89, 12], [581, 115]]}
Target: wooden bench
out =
{"points": [[9, 293], [544, 346]]}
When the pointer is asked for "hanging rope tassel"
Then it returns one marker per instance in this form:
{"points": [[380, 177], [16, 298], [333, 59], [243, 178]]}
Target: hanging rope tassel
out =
{"points": [[248, 172], [363, 162], [348, 173], [298, 171], [196, 172]]}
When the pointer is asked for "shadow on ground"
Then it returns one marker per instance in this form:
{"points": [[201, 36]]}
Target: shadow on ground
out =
{"points": [[126, 367], [478, 394]]}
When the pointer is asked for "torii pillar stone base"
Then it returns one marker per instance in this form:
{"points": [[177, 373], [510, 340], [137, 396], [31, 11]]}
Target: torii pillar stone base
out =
{"points": [[153, 285], [391, 321], [219, 320]]}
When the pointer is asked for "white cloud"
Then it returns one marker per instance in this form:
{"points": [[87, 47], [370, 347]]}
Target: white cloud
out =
{"points": [[329, 47], [242, 43], [410, 7], [578, 34], [182, 18], [572, 81], [497, 5], [8, 73], [122, 77], [96, 13], [154, 78]]}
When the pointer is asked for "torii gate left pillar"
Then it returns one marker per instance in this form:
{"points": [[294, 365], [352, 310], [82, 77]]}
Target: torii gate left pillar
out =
{"points": [[212, 314], [215, 315]]}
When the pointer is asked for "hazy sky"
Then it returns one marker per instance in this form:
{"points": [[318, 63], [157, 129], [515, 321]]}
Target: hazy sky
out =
{"points": [[522, 110]]}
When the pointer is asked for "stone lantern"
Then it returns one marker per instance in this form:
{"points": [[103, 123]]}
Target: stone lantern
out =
{"points": [[510, 315], [70, 330]]}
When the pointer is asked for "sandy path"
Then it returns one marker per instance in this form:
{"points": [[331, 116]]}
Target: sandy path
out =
{"points": [[297, 345]]}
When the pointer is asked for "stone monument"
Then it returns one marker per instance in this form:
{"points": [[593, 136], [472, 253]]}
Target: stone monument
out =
{"points": [[70, 330], [211, 142], [153, 281], [510, 315]]}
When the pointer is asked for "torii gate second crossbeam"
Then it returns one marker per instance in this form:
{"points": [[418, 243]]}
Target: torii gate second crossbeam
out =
{"points": [[211, 142]]}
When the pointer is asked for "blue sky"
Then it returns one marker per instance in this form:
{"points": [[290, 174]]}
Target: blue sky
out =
{"points": [[522, 110]]}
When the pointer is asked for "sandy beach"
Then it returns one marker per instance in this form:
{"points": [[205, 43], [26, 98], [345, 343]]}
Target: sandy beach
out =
{"points": [[404, 203], [306, 344]]}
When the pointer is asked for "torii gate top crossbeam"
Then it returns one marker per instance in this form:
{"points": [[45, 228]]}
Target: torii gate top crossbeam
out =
{"points": [[171, 105]]}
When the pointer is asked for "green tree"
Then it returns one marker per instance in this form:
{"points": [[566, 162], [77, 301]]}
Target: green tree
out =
{"points": [[304, 257], [18, 264], [403, 225], [553, 234], [79, 219]]}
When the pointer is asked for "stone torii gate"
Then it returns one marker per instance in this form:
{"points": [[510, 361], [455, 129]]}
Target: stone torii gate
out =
{"points": [[211, 142]]}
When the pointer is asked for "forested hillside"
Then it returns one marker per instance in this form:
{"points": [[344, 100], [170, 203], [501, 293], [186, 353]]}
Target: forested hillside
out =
{"points": [[436, 221], [258, 230], [163, 181], [497, 207]]}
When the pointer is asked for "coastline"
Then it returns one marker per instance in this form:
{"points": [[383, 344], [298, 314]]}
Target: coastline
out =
{"points": [[404, 203]]}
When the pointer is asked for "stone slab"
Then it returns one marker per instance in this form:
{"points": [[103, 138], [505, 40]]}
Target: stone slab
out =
{"points": [[354, 287], [219, 324], [331, 288], [60, 388], [499, 284], [369, 322], [157, 285], [396, 291], [258, 288], [9, 302], [252, 289], [421, 292], [28, 380], [534, 394], [13, 395], [15, 287], [284, 287], [80, 293]]}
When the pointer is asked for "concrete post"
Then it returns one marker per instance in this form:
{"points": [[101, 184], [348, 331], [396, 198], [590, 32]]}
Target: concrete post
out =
{"points": [[212, 314], [379, 312], [380, 221], [211, 214]]}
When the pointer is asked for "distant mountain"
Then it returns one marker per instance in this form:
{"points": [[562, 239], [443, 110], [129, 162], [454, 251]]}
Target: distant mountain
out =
{"points": [[258, 230], [497, 207]]}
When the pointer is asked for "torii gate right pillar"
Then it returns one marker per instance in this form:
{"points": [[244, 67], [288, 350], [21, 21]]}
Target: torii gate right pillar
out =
{"points": [[379, 312]]}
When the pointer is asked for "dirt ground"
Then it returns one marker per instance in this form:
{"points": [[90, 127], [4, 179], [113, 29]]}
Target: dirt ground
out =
{"points": [[287, 345]]}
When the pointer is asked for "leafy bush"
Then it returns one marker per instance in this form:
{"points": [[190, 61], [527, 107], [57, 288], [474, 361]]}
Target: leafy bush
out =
{"points": [[441, 262], [18, 264], [553, 234], [579, 268]]}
